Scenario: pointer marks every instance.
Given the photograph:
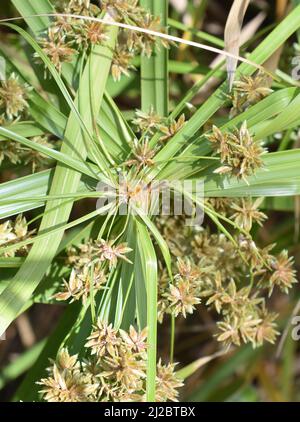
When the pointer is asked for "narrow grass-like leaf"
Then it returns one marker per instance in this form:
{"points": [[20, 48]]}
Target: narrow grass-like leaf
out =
{"points": [[149, 263], [154, 70], [64, 181]]}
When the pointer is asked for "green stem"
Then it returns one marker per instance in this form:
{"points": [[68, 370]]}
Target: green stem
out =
{"points": [[154, 70], [172, 340]]}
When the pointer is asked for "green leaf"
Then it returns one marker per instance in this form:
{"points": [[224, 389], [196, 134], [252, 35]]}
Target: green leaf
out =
{"points": [[65, 180], [149, 268], [279, 177], [154, 70], [184, 137]]}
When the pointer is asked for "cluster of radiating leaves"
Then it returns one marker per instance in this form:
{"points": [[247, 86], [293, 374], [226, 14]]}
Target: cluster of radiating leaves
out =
{"points": [[13, 232], [114, 370], [240, 154], [90, 263], [232, 277], [69, 36]]}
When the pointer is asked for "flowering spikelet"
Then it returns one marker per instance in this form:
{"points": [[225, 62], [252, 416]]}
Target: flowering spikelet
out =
{"points": [[104, 340], [13, 97], [134, 340], [172, 129], [246, 213], [90, 33], [67, 35], [121, 63], [220, 205], [147, 122], [143, 154], [57, 48], [283, 275], [266, 329], [81, 283], [167, 383], [181, 298], [106, 251], [248, 91], [37, 160], [11, 151], [240, 155], [66, 382], [143, 42], [81, 255], [114, 370], [218, 274], [127, 368], [14, 232]]}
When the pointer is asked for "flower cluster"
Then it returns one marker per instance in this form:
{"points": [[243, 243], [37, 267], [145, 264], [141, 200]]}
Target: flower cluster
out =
{"points": [[67, 35], [90, 262], [14, 106], [249, 90], [231, 277], [243, 211], [18, 154], [13, 98], [149, 123], [13, 232], [115, 370], [240, 155]]}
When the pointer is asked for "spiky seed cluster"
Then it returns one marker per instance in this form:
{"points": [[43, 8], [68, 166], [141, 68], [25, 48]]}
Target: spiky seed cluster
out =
{"points": [[67, 382], [13, 106], [183, 294], [13, 97], [89, 263], [151, 122], [115, 370], [173, 128], [147, 124], [18, 154], [81, 283], [121, 62], [249, 90], [240, 155], [67, 36], [57, 48], [10, 151], [13, 232], [143, 154], [231, 278], [37, 160], [243, 211]]}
